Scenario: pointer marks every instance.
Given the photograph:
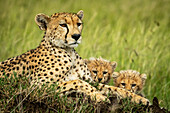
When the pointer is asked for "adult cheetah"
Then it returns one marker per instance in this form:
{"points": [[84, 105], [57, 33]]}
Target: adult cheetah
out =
{"points": [[55, 61]]}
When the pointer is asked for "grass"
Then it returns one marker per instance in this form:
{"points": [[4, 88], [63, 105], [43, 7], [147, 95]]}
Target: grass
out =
{"points": [[18, 96], [135, 34]]}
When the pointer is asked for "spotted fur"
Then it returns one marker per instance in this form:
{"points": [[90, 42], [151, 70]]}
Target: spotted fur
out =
{"points": [[101, 69], [130, 80], [55, 61]]}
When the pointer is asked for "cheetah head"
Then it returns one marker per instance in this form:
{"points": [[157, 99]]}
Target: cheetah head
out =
{"points": [[130, 80], [61, 29]]}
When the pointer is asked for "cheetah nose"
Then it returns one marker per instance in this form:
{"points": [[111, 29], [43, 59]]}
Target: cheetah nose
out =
{"points": [[76, 36], [99, 79]]}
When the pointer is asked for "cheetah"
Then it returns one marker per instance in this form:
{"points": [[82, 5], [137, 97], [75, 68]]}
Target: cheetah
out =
{"points": [[101, 69], [130, 80], [55, 61]]}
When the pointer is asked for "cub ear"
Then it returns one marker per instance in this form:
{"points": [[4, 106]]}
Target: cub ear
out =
{"points": [[144, 77], [114, 65], [115, 75], [87, 61], [80, 14], [42, 20]]}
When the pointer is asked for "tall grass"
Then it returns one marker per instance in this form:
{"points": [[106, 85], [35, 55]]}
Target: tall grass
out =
{"points": [[135, 33]]}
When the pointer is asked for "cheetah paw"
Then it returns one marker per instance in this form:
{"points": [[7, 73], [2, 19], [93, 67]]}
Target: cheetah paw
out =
{"points": [[141, 100], [99, 98]]}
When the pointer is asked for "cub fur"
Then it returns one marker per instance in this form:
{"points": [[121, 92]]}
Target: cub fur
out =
{"points": [[101, 69], [130, 79]]}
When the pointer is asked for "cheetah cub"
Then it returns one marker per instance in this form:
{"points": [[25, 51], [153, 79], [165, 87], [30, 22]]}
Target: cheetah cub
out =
{"points": [[130, 79], [101, 69]]}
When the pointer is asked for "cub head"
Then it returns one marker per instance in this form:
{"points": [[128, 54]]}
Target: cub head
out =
{"points": [[101, 69], [130, 80], [61, 29]]}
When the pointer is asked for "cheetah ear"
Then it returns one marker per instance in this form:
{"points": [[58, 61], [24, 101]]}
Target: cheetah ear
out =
{"points": [[144, 77], [80, 14], [42, 20], [114, 65], [115, 75]]}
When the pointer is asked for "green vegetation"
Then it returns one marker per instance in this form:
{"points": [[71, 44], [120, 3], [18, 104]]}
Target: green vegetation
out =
{"points": [[135, 33], [16, 95]]}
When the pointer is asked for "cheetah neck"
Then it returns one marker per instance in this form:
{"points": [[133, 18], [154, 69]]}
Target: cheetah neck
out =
{"points": [[49, 46], [51, 40]]}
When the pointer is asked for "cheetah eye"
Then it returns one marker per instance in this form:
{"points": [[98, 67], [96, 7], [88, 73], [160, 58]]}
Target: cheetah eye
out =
{"points": [[95, 72], [63, 25], [79, 24], [133, 85], [123, 84], [104, 72]]}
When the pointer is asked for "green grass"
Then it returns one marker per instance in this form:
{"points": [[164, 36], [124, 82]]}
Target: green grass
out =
{"points": [[16, 95], [135, 33]]}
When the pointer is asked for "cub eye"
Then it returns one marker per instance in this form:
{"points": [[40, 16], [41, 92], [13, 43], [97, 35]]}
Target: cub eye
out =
{"points": [[104, 72], [78, 24], [63, 25], [95, 72], [133, 85], [123, 84]]}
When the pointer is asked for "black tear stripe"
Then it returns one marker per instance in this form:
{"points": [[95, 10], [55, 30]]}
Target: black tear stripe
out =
{"points": [[67, 32]]}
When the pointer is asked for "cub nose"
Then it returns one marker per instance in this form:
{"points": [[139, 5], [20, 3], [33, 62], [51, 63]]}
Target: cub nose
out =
{"points": [[99, 79], [76, 36]]}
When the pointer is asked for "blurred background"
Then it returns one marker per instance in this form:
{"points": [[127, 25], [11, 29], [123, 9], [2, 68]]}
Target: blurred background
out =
{"points": [[135, 33]]}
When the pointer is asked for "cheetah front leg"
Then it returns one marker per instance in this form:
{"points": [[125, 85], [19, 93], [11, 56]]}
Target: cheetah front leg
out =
{"points": [[82, 87], [122, 93]]}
